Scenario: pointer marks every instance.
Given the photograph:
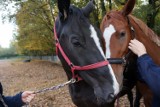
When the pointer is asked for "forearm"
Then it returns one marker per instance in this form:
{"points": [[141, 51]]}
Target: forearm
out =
{"points": [[14, 101], [150, 73]]}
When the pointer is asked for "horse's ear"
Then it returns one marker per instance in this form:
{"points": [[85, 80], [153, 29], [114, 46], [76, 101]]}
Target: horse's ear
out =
{"points": [[88, 8], [63, 6], [127, 9]]}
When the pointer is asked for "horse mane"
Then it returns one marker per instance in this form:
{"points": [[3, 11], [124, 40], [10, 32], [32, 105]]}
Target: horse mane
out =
{"points": [[146, 30]]}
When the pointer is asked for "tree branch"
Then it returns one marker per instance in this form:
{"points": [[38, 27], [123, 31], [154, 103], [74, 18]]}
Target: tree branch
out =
{"points": [[157, 9], [121, 3]]}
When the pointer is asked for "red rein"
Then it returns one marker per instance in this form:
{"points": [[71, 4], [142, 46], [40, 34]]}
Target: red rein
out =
{"points": [[74, 67]]}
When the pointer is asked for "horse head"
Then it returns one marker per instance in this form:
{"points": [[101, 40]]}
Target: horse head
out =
{"points": [[82, 45], [118, 28], [117, 33]]}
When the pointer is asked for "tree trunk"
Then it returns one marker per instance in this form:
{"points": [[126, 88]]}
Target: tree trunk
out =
{"points": [[110, 4], [151, 16], [103, 8]]}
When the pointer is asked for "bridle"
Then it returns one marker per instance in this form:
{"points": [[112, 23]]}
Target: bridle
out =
{"points": [[122, 60], [76, 67]]}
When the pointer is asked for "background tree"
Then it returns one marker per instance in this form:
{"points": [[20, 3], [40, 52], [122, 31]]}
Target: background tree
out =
{"points": [[151, 15], [35, 28], [149, 12], [35, 20]]}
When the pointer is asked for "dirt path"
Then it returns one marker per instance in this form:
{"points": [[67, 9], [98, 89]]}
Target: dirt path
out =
{"points": [[19, 76]]}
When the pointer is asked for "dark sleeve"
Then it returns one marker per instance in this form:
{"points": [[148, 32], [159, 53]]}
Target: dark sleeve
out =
{"points": [[1, 89], [14, 101], [150, 73]]}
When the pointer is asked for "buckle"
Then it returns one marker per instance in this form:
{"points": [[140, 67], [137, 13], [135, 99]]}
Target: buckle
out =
{"points": [[71, 65], [57, 41]]}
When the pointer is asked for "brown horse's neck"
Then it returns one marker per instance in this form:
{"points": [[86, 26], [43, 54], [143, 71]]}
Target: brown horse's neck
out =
{"points": [[146, 37]]}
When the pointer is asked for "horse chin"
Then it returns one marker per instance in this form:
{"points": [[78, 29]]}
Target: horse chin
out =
{"points": [[103, 96], [102, 88]]}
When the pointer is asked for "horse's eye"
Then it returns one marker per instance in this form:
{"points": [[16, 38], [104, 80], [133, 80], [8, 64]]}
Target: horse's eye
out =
{"points": [[122, 34], [76, 42]]}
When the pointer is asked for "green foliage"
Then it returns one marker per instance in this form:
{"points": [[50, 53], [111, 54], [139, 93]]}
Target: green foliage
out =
{"points": [[35, 20], [157, 24], [7, 52], [143, 11], [35, 33]]}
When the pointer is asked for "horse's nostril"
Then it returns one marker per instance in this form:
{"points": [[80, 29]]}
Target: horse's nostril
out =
{"points": [[110, 97]]}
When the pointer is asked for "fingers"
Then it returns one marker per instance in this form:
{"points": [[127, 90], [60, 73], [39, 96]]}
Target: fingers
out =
{"points": [[27, 96], [29, 92], [137, 47], [132, 45]]}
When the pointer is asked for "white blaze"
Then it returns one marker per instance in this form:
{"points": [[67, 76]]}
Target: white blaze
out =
{"points": [[107, 36], [96, 39]]}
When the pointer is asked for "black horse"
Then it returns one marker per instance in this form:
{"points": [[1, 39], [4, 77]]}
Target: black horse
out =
{"points": [[80, 49]]}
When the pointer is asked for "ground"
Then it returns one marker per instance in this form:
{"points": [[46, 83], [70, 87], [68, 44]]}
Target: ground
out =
{"points": [[17, 76]]}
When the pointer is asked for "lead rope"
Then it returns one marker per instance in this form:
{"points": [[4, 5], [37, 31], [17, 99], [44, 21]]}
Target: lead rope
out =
{"points": [[1, 99], [56, 87], [73, 80]]}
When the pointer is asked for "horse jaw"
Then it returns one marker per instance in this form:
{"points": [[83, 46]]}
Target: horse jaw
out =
{"points": [[102, 88]]}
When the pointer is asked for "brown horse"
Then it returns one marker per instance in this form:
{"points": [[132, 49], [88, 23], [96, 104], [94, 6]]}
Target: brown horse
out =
{"points": [[118, 28]]}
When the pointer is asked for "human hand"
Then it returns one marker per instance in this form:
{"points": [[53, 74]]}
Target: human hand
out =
{"points": [[137, 47], [27, 96]]}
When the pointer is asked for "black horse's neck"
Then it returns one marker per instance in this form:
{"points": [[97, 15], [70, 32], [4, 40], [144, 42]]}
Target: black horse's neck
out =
{"points": [[130, 71]]}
